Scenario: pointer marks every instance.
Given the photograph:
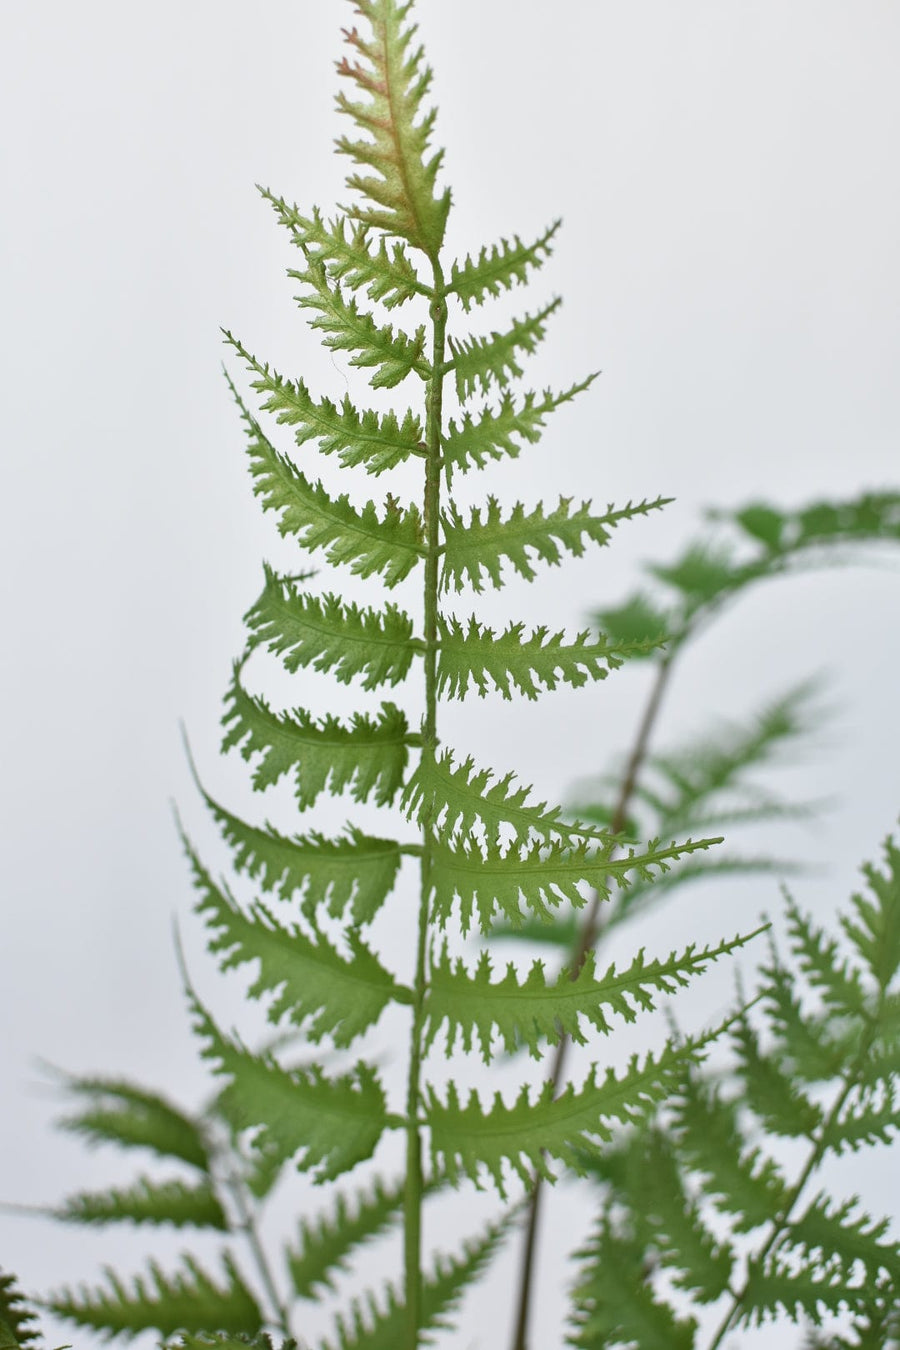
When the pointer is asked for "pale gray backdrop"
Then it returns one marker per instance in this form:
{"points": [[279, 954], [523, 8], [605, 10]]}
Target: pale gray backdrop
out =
{"points": [[727, 175]]}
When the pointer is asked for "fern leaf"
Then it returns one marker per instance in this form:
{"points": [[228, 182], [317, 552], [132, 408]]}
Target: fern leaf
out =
{"points": [[376, 442], [491, 880], [18, 1329], [494, 433], [392, 80], [821, 961], [772, 1092], [187, 1300], [500, 268], [368, 756], [453, 797], [374, 1327], [773, 1284], [329, 635], [873, 1118], [741, 1182], [536, 1011], [614, 1303], [479, 362], [147, 1201], [122, 1113], [477, 548], [831, 1231], [390, 546], [327, 1125], [805, 1047], [355, 870], [347, 328], [388, 275], [324, 1243], [875, 927], [308, 978], [477, 656], [466, 1140], [639, 621]]}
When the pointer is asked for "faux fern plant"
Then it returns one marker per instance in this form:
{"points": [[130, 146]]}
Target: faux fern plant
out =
{"points": [[477, 845]]}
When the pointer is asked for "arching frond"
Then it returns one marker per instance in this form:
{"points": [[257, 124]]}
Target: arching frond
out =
{"points": [[392, 81], [327, 1125], [332, 635], [390, 545], [467, 1140], [324, 1244], [353, 870], [493, 433], [387, 274], [147, 1201], [187, 1300], [475, 655], [347, 328], [480, 362], [490, 879], [536, 1010], [499, 268], [367, 756], [307, 979], [376, 441], [119, 1112], [478, 548]]}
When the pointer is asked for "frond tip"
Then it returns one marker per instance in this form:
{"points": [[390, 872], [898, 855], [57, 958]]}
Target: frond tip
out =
{"points": [[393, 80]]}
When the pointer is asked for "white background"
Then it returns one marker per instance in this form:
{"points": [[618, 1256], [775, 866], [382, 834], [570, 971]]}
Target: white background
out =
{"points": [[726, 173]]}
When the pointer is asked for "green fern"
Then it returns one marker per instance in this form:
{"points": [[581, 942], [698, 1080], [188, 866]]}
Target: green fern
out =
{"points": [[809, 1254]]}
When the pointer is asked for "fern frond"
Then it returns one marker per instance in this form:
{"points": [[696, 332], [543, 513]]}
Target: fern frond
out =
{"points": [[147, 1201], [388, 275], [475, 655], [324, 1243], [874, 1118], [327, 1125], [774, 1285], [820, 960], [613, 1300], [740, 1181], [366, 757], [805, 1047], [330, 635], [493, 880], [374, 1327], [500, 268], [477, 548], [771, 1091], [187, 1300], [637, 621], [467, 1140], [308, 979], [122, 1113], [535, 1010], [355, 870], [494, 433], [392, 80], [479, 362], [874, 928], [453, 797], [390, 546], [18, 1329], [378, 442], [347, 328], [829, 1231]]}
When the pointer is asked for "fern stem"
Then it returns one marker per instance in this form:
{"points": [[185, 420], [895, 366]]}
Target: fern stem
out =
{"points": [[247, 1225], [779, 1223], [588, 936], [412, 1234]]}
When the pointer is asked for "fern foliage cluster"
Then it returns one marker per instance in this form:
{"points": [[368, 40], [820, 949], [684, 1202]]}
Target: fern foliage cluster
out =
{"points": [[468, 851], [818, 1068]]}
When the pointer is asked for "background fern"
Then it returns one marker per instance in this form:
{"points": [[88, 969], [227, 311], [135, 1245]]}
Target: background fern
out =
{"points": [[145, 891]]}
